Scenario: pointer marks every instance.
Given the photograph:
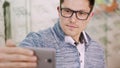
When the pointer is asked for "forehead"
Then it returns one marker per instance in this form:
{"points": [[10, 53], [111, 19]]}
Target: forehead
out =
{"points": [[76, 4]]}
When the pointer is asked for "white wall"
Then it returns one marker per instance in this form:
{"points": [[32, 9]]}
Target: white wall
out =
{"points": [[1, 24], [31, 15]]}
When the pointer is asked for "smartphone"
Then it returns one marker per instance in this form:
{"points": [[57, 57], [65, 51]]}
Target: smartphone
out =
{"points": [[45, 57]]}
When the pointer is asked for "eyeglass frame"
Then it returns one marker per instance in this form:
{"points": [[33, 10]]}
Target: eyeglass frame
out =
{"points": [[75, 13]]}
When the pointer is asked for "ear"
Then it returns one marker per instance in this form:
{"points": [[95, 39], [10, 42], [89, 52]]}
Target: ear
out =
{"points": [[91, 15], [58, 9]]}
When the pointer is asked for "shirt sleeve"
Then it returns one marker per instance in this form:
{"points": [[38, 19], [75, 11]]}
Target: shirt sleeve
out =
{"points": [[32, 40]]}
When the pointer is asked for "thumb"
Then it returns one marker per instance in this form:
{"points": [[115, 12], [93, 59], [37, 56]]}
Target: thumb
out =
{"points": [[10, 43]]}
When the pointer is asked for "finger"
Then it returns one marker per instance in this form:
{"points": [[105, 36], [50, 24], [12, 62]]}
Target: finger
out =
{"points": [[18, 64], [17, 58], [16, 50], [10, 43]]}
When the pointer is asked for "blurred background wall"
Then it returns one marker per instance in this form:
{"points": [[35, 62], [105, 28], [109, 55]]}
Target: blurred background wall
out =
{"points": [[19, 17], [2, 36]]}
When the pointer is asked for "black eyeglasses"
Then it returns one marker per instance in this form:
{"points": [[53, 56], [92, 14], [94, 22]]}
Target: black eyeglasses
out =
{"points": [[81, 15]]}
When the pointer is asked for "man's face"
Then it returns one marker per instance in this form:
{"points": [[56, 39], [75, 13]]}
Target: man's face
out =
{"points": [[73, 26]]}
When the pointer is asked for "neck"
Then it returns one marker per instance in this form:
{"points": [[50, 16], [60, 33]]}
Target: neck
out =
{"points": [[76, 38]]}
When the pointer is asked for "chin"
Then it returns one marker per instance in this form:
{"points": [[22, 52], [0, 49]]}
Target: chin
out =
{"points": [[70, 33]]}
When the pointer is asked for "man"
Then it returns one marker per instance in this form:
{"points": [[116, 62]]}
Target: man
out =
{"points": [[74, 48]]}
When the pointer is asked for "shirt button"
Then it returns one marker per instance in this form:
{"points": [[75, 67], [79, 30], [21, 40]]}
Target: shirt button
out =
{"points": [[80, 61], [79, 54]]}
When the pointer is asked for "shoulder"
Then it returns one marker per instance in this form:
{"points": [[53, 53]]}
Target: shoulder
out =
{"points": [[96, 54], [40, 34], [36, 39], [95, 48], [94, 45]]}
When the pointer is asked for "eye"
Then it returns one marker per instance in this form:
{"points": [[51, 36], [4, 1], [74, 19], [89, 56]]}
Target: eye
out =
{"points": [[67, 10], [82, 13]]}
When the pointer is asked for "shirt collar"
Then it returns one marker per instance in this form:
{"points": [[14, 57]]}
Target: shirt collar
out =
{"points": [[69, 39], [85, 37]]}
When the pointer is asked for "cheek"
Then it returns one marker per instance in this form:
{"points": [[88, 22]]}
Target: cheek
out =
{"points": [[82, 25], [64, 20]]}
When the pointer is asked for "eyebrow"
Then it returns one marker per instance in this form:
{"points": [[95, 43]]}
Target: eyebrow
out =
{"points": [[77, 10]]}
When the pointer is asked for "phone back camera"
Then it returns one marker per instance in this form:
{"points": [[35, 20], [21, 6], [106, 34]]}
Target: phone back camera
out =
{"points": [[49, 60]]}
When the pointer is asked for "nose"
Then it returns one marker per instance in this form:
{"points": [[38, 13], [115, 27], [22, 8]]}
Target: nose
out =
{"points": [[73, 18]]}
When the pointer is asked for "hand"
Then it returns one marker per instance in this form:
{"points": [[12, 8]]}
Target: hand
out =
{"points": [[16, 57]]}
